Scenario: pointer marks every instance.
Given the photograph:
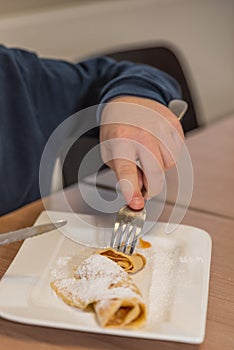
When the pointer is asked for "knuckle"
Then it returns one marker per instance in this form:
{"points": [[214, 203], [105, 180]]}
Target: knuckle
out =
{"points": [[125, 168], [169, 163]]}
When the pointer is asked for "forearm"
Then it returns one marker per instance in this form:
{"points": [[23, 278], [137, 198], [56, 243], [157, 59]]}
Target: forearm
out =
{"points": [[56, 89]]}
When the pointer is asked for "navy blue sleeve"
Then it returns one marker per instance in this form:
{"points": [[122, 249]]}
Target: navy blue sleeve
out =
{"points": [[37, 94]]}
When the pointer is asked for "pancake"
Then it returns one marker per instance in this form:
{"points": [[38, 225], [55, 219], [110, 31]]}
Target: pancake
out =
{"points": [[101, 283]]}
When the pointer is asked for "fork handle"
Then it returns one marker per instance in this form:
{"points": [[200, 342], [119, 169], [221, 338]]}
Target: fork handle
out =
{"points": [[143, 191], [178, 107]]}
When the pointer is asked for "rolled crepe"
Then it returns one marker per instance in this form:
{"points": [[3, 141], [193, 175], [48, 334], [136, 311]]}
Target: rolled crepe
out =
{"points": [[101, 283], [130, 263]]}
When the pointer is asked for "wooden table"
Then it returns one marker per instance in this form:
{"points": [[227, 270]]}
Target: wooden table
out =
{"points": [[220, 225], [220, 318], [212, 153]]}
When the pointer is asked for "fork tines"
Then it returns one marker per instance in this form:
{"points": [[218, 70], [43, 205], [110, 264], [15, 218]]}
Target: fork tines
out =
{"points": [[124, 238], [127, 230]]}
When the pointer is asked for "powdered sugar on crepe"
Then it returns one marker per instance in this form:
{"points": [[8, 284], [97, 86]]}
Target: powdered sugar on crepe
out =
{"points": [[156, 281], [97, 278]]}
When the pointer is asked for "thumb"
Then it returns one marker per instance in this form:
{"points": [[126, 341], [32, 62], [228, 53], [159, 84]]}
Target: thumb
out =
{"points": [[129, 181]]}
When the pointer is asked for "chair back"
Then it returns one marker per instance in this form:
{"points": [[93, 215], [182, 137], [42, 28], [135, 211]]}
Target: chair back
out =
{"points": [[165, 59]]}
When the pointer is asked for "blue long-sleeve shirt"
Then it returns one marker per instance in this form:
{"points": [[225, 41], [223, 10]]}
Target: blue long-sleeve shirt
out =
{"points": [[37, 94]]}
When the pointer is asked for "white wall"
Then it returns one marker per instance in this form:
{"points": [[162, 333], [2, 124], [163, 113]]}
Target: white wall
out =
{"points": [[16, 6], [202, 30]]}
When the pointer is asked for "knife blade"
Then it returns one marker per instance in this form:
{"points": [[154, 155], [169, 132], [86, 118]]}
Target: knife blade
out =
{"points": [[28, 232]]}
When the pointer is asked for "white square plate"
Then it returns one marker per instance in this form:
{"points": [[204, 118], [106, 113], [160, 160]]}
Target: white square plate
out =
{"points": [[174, 284]]}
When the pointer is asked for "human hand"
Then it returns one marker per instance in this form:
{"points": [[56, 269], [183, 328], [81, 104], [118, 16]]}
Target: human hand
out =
{"points": [[139, 130]]}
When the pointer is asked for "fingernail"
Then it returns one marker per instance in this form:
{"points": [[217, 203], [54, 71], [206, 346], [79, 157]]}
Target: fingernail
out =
{"points": [[137, 203]]}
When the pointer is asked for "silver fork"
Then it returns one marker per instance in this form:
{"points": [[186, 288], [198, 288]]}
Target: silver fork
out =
{"points": [[128, 222], [127, 229]]}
